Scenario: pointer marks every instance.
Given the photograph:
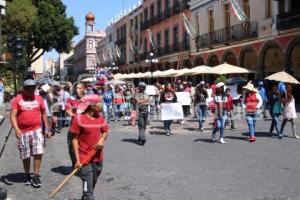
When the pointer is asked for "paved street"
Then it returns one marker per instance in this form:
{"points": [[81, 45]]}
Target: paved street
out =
{"points": [[185, 166]]}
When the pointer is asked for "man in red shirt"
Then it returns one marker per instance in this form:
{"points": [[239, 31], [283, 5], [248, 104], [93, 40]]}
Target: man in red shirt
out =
{"points": [[27, 114], [89, 131]]}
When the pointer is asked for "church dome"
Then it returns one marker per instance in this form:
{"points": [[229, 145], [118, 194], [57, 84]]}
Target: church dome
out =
{"points": [[90, 17]]}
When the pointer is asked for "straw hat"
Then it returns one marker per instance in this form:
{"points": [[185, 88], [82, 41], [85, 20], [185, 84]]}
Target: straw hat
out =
{"points": [[250, 87]]}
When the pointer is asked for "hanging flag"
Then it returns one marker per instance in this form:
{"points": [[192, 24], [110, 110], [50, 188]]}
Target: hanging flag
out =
{"points": [[130, 45], [188, 26], [104, 56], [150, 37], [118, 51], [110, 54], [238, 11]]}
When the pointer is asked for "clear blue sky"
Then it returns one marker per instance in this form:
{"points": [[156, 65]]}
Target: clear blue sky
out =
{"points": [[104, 11]]}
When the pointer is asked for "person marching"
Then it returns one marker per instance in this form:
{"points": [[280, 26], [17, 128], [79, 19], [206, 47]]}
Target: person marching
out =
{"points": [[168, 96], [251, 102], [276, 111], [200, 103], [142, 101], [90, 131], [71, 110], [220, 100], [263, 95], [27, 115], [289, 111], [229, 107]]}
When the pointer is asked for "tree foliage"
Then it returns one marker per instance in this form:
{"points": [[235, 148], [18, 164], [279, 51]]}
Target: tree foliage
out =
{"points": [[43, 25]]}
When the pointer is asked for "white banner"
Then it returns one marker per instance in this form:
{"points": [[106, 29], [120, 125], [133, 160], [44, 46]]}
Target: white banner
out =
{"points": [[151, 90], [184, 98], [171, 111]]}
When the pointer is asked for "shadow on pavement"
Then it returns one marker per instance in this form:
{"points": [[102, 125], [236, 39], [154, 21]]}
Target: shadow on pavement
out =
{"points": [[63, 170], [9, 179], [203, 140], [157, 127], [131, 140], [237, 138], [259, 134], [157, 132]]}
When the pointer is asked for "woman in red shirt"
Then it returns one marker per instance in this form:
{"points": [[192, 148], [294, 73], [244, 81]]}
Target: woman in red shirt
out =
{"points": [[118, 101]]}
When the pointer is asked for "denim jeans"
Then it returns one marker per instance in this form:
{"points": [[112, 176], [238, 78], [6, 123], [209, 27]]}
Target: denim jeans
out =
{"points": [[201, 113], [275, 123], [142, 123], [167, 124], [107, 110], [89, 175], [220, 125], [251, 121], [118, 111]]}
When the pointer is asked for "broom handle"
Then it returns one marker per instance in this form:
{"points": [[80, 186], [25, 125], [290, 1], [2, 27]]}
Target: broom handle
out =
{"points": [[63, 182]]}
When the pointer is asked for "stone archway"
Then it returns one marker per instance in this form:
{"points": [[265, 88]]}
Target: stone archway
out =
{"points": [[213, 60], [271, 58], [198, 61], [229, 58], [249, 60], [293, 58]]}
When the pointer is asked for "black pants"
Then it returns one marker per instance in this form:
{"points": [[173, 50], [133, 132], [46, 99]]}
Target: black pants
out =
{"points": [[71, 150], [142, 123]]}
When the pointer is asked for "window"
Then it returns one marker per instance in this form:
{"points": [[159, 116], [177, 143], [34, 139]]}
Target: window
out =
{"points": [[167, 7], [151, 11], [246, 8], [159, 8], [167, 38], [175, 38], [176, 6], [197, 24], [268, 8], [136, 22], [227, 20], [110, 37], [211, 21], [145, 14], [90, 28], [145, 45], [158, 36], [91, 44], [186, 40]]}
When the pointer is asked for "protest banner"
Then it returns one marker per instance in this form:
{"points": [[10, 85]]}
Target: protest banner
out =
{"points": [[171, 111], [184, 98], [151, 90]]}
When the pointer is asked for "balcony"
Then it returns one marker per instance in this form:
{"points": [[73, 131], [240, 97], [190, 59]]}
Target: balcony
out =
{"points": [[288, 20], [176, 9], [226, 35], [174, 48], [121, 41]]}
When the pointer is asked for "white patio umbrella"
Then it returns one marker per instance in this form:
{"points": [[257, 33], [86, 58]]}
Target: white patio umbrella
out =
{"points": [[145, 75], [284, 77], [182, 72], [89, 79], [202, 69], [167, 73], [226, 68], [119, 76], [157, 73]]}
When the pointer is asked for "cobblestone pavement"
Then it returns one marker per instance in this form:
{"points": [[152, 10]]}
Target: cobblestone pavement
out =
{"points": [[184, 166]]}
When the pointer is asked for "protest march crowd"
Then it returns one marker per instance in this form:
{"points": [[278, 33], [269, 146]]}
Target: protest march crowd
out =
{"points": [[43, 109]]}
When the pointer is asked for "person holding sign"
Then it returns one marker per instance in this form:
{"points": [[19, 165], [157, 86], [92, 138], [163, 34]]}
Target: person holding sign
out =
{"points": [[168, 96], [220, 112], [90, 131], [142, 101]]}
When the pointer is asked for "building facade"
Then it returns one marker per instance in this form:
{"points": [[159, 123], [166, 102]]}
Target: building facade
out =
{"points": [[267, 44], [84, 58]]}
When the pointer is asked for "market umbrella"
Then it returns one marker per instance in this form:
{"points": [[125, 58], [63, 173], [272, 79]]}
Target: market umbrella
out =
{"points": [[144, 75], [282, 76], [157, 73], [202, 69], [119, 76], [115, 82], [89, 79], [182, 72], [235, 80], [167, 73], [226, 68]]}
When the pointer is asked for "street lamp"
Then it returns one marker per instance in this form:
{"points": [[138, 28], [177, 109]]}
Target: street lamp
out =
{"points": [[113, 67], [152, 60]]}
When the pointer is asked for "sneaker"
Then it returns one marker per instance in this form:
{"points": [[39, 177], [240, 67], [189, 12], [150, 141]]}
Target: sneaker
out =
{"points": [[296, 136], [213, 138], [222, 141], [202, 129], [27, 179], [182, 122], [252, 139], [168, 133], [35, 181]]}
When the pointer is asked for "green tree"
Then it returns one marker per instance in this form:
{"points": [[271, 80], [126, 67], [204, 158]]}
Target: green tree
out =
{"points": [[43, 25]]}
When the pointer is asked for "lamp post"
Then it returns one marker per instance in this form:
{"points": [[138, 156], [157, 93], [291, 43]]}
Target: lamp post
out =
{"points": [[152, 60], [113, 67]]}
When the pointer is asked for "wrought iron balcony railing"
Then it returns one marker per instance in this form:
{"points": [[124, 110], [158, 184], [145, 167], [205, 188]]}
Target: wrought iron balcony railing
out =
{"points": [[288, 20], [226, 35]]}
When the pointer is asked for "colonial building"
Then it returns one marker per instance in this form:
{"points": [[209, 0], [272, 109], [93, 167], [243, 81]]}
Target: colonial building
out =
{"points": [[269, 43], [84, 58]]}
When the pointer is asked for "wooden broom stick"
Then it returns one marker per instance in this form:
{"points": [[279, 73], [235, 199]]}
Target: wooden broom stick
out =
{"points": [[84, 161]]}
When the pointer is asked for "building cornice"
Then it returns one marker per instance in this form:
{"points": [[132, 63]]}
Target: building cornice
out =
{"points": [[194, 5]]}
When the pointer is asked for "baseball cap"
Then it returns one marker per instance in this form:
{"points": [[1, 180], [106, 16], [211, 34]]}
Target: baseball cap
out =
{"points": [[202, 83], [220, 84], [29, 82], [86, 101], [142, 84]]}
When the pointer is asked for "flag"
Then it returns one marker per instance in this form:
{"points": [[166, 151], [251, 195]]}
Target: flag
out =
{"points": [[188, 26], [104, 56], [118, 51], [130, 45], [111, 57], [238, 11], [150, 36]]}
